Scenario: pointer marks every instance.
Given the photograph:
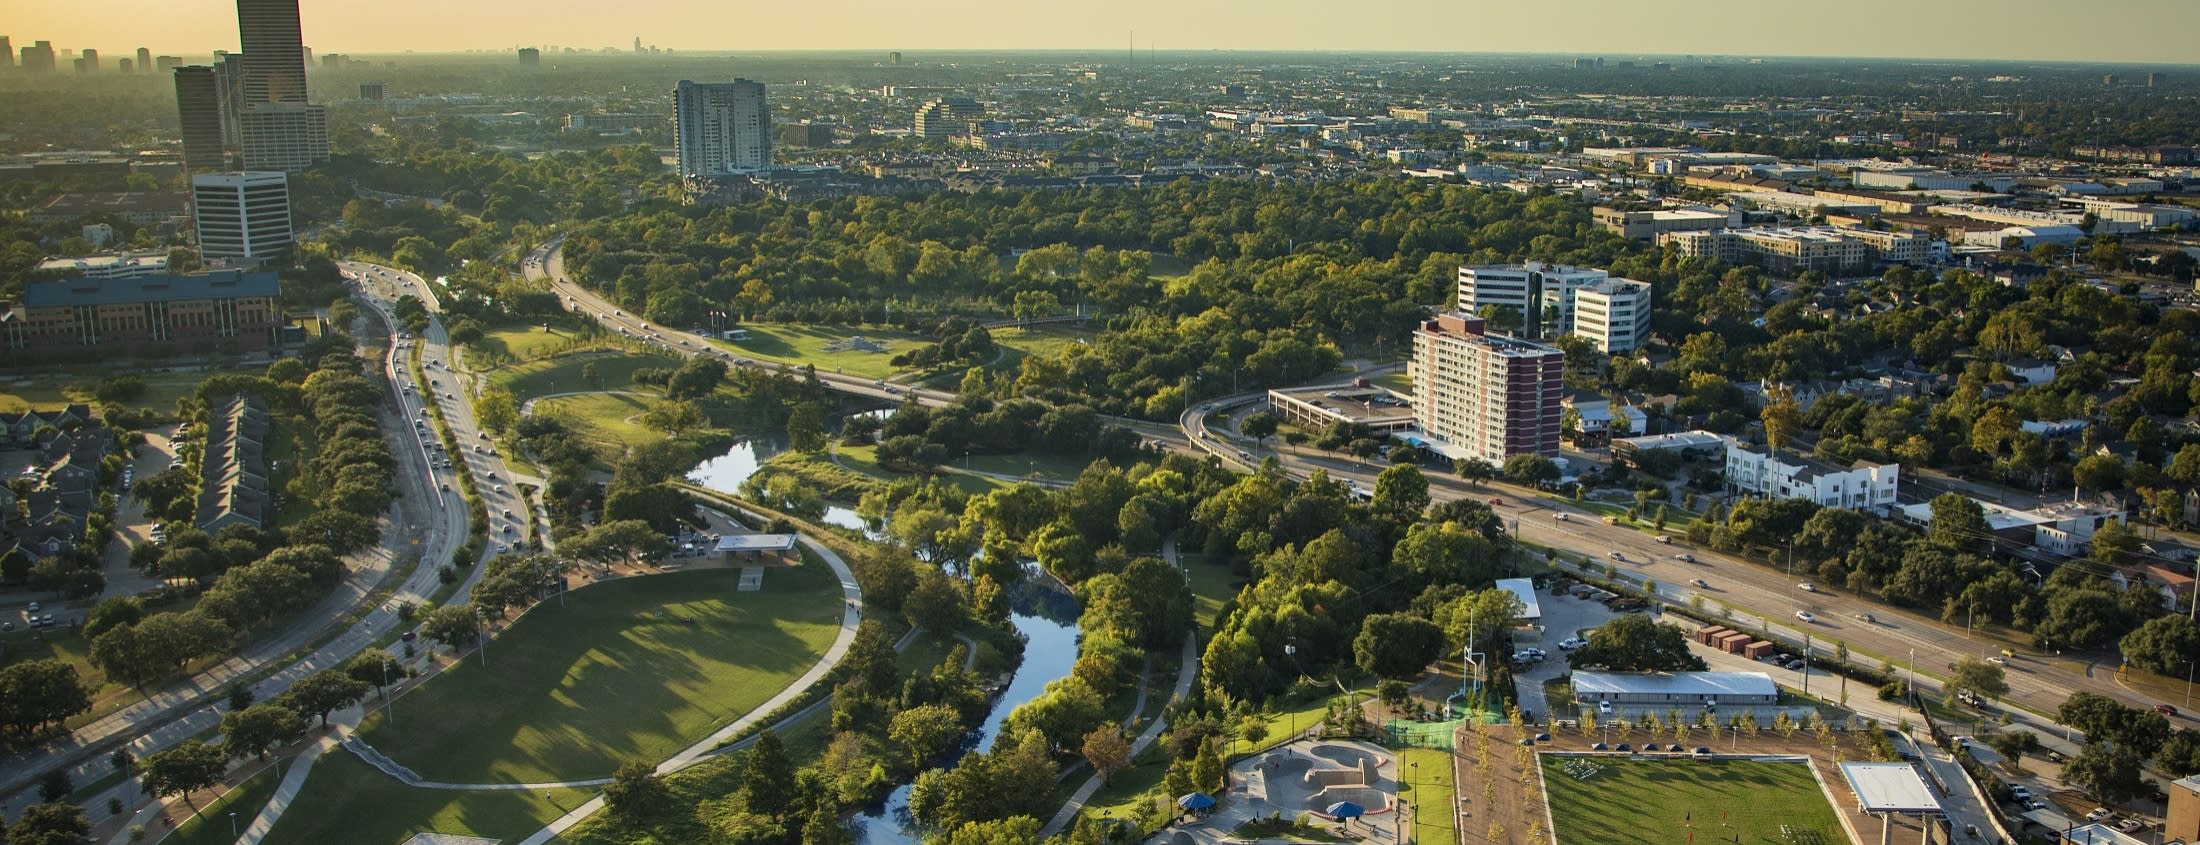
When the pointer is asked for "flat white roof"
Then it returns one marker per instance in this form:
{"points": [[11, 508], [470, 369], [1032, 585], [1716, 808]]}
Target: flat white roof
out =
{"points": [[1675, 683], [2101, 834], [1890, 788], [1525, 589], [755, 543]]}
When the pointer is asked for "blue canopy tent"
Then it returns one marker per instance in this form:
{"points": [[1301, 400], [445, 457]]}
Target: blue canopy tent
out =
{"points": [[1346, 811], [1197, 802]]}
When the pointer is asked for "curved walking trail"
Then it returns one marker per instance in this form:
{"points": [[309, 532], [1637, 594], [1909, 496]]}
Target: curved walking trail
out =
{"points": [[1187, 670]]}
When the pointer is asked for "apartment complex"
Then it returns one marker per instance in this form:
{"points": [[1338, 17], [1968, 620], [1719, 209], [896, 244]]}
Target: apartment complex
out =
{"points": [[1758, 471], [1648, 225], [233, 488], [206, 311], [946, 117], [1789, 250], [1482, 395], [241, 217], [1614, 314], [722, 127]]}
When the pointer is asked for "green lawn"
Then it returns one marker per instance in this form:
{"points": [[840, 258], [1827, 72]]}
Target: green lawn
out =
{"points": [[1396, 380], [1212, 584], [1720, 798], [605, 419], [630, 669], [1023, 464], [562, 374], [1427, 776], [863, 460], [522, 343], [1042, 341], [805, 344], [345, 800], [57, 386], [211, 825]]}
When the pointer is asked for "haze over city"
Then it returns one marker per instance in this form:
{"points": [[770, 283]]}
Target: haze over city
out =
{"points": [[2014, 30]]}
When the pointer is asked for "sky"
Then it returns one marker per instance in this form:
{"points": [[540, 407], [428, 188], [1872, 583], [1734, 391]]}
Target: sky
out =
{"points": [[2140, 31]]}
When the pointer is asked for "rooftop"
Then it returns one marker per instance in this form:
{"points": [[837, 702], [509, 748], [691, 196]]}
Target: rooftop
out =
{"points": [[220, 284], [1525, 589], [1674, 440], [1890, 788], [755, 543], [1675, 683]]}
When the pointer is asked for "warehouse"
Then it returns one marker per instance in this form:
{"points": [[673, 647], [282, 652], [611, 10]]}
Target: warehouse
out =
{"points": [[1693, 688]]}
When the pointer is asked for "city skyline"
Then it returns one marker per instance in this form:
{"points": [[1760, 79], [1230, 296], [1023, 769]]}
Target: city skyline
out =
{"points": [[2015, 30]]}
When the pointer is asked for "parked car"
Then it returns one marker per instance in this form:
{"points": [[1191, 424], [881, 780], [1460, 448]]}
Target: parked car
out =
{"points": [[1496, 502], [1571, 643], [1662, 538], [1617, 556], [1697, 582]]}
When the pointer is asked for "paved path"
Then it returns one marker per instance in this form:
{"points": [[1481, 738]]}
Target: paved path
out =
{"points": [[285, 792]]}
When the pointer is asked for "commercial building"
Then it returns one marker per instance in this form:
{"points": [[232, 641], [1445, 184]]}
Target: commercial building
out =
{"points": [[530, 57], [373, 90], [1789, 250], [1481, 395], [2182, 821], [1317, 408], [38, 58], [2051, 530], [721, 127], [138, 208], [1614, 314], [1624, 689], [936, 121], [1648, 225], [616, 122], [241, 217], [118, 265], [200, 312], [1929, 179], [283, 137], [1689, 444], [274, 51], [199, 107], [1762, 472], [1526, 289]]}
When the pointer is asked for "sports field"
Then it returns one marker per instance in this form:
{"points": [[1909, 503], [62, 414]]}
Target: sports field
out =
{"points": [[1608, 799]]}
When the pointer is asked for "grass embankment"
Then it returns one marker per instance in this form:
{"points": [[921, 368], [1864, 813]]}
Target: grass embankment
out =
{"points": [[345, 800], [1212, 584], [630, 669], [1724, 799], [613, 369], [212, 824], [799, 344]]}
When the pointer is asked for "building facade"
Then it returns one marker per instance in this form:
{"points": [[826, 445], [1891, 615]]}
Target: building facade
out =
{"points": [[283, 137], [207, 311], [1614, 314], [1648, 225], [721, 127], [274, 51], [1526, 289], [1485, 396], [241, 217], [199, 107], [1757, 471]]}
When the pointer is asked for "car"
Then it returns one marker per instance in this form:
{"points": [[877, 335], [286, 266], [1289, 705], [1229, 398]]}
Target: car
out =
{"points": [[1664, 538], [2020, 793], [500, 488], [1998, 659], [2099, 813], [1805, 615], [2054, 756], [492, 477], [446, 486], [1599, 747], [1698, 582], [409, 636], [2166, 710], [1604, 707], [2035, 804], [1496, 502], [508, 514], [1807, 587], [1702, 751], [1649, 746], [34, 607], [1685, 557], [1624, 748], [1571, 643], [511, 529], [2130, 825], [1563, 517], [1616, 556]]}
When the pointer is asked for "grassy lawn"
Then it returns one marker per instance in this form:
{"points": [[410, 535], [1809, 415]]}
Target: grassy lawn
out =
{"points": [[345, 800], [605, 419], [1722, 798], [522, 343], [863, 460], [1042, 341], [1022, 464], [54, 387], [1396, 381], [1428, 774], [1212, 584], [211, 825], [562, 374], [805, 344], [630, 669]]}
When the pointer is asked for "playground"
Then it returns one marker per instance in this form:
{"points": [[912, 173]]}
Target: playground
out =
{"points": [[1347, 788]]}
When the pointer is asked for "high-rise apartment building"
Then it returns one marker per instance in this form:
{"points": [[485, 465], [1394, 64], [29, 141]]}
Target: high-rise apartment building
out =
{"points": [[1614, 314], [721, 127], [530, 57], [241, 217], [89, 63], [274, 51], [7, 52], [199, 107], [145, 60], [373, 90], [38, 58], [1540, 295], [1482, 395], [288, 137]]}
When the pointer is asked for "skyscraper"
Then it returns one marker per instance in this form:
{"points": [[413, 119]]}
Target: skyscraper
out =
{"points": [[1483, 395], [721, 127], [7, 52], [530, 56], [199, 106], [286, 137], [90, 62], [145, 60], [274, 51], [39, 57], [241, 217]]}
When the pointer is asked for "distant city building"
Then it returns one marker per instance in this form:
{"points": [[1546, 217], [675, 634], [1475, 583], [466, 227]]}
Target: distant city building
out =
{"points": [[199, 108], [241, 217], [165, 64], [617, 122], [1614, 314], [7, 53], [894, 57], [945, 117], [201, 312], [721, 127], [144, 60], [1794, 249], [1482, 395], [373, 90], [286, 137], [530, 57], [38, 58], [118, 265], [89, 63], [806, 134], [1786, 475]]}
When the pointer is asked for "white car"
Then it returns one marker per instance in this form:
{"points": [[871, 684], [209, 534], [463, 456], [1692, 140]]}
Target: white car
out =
{"points": [[1571, 643], [1807, 587], [1805, 616], [1562, 517], [1697, 582]]}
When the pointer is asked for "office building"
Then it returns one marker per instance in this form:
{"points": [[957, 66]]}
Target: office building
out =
{"points": [[1614, 314], [2181, 821], [1758, 471], [1647, 225], [199, 107], [274, 51], [77, 318], [530, 57], [286, 137], [373, 90], [721, 127], [1484, 396], [1526, 290], [38, 58], [89, 63], [7, 53], [946, 117], [241, 217], [116, 265], [166, 64]]}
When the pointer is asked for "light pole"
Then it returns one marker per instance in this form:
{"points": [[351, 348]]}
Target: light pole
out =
{"points": [[483, 615], [232, 824]]}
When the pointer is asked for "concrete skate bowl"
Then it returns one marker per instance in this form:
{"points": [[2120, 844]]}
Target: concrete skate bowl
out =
{"points": [[1177, 837], [1332, 773]]}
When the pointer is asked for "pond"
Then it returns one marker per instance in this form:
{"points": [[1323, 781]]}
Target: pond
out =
{"points": [[726, 472]]}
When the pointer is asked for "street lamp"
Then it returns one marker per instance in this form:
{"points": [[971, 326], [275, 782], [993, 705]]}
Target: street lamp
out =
{"points": [[482, 613], [232, 823]]}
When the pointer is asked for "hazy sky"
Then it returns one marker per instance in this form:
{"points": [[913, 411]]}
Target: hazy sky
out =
{"points": [[2102, 30]]}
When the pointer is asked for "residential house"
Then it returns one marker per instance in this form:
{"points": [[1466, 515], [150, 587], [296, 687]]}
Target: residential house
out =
{"points": [[233, 488]]}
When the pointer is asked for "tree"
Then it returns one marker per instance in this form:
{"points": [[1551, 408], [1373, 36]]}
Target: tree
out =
{"points": [[1978, 676], [2110, 773], [184, 769], [675, 417], [38, 693], [695, 379], [375, 666], [55, 785], [1474, 470], [1014, 830], [1261, 425], [1634, 643], [1396, 645], [251, 732], [1958, 522], [2164, 645], [1530, 469], [1782, 417], [1107, 751], [1401, 492], [2098, 472], [325, 692], [496, 409], [636, 794], [806, 427], [923, 733], [767, 776], [50, 823], [452, 625]]}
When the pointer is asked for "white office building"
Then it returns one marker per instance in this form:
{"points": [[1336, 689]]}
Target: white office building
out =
{"points": [[241, 218], [1530, 290], [1758, 471], [1614, 314], [116, 265], [721, 127]]}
